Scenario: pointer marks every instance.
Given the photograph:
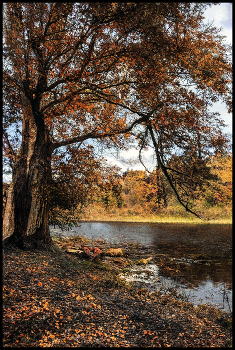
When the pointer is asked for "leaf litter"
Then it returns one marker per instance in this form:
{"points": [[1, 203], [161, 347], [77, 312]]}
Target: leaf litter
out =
{"points": [[53, 298]]}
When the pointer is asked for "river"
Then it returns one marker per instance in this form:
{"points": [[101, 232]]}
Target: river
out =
{"points": [[200, 253]]}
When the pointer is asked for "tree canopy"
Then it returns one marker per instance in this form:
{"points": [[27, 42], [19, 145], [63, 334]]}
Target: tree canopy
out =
{"points": [[114, 73]]}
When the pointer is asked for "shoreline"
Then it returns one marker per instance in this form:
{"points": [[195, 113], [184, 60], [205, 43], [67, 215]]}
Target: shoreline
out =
{"points": [[227, 221], [170, 265]]}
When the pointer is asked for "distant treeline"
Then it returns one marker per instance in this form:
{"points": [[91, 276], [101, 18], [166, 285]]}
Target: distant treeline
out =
{"points": [[135, 192], [151, 192]]}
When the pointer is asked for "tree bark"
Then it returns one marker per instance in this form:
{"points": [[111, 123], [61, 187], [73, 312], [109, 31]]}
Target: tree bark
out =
{"points": [[26, 218], [8, 214]]}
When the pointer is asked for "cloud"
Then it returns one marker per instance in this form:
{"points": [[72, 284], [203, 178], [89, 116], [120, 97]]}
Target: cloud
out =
{"points": [[6, 178], [227, 117], [221, 16], [130, 160]]}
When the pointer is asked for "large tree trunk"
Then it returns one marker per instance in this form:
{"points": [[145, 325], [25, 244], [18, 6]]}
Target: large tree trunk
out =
{"points": [[8, 214], [26, 218], [27, 223]]}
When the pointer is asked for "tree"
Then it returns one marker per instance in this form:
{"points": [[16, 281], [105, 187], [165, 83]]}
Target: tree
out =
{"points": [[109, 187], [76, 178], [220, 191], [110, 73], [144, 190]]}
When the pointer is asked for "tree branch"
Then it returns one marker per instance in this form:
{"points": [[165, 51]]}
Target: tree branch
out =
{"points": [[10, 153], [108, 99], [141, 148], [164, 169], [96, 135]]}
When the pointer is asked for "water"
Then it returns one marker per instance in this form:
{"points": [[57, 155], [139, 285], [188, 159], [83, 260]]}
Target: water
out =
{"points": [[206, 292], [201, 253]]}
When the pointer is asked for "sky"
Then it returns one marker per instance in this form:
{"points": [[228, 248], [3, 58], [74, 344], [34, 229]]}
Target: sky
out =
{"points": [[221, 16]]}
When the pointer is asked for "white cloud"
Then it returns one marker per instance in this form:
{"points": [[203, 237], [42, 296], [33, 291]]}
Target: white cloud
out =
{"points": [[227, 117], [130, 160], [7, 178], [221, 16], [133, 153]]}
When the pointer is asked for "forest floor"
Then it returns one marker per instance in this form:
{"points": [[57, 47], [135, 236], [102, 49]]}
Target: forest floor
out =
{"points": [[70, 295]]}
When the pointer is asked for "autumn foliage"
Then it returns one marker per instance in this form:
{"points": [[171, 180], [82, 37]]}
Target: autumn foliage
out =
{"points": [[107, 74], [144, 194]]}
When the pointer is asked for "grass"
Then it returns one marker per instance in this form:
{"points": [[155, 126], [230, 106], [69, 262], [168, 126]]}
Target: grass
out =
{"points": [[174, 213], [158, 219]]}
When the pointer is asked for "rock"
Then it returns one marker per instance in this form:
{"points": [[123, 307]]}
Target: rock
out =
{"points": [[74, 251], [114, 252], [144, 261]]}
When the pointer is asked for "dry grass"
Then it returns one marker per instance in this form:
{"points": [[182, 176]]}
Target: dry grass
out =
{"points": [[173, 214]]}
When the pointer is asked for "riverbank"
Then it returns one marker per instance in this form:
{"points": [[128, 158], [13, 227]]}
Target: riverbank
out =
{"points": [[213, 215], [60, 297], [157, 219]]}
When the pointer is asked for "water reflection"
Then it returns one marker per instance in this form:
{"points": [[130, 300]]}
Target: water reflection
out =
{"points": [[199, 252], [211, 240], [206, 292]]}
